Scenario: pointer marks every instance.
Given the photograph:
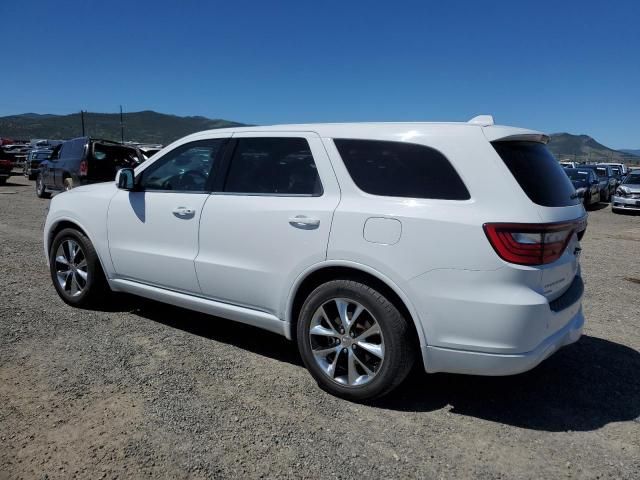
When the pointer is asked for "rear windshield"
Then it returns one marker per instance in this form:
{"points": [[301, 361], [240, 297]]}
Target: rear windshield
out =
{"points": [[577, 174], [539, 174]]}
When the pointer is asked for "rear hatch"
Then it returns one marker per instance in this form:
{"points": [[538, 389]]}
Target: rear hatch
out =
{"points": [[551, 247], [106, 158]]}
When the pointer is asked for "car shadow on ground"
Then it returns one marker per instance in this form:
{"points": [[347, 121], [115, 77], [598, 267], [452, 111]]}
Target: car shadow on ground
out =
{"points": [[9, 183], [582, 387], [597, 206]]}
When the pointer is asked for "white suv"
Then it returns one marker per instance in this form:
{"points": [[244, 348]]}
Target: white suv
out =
{"points": [[371, 245]]}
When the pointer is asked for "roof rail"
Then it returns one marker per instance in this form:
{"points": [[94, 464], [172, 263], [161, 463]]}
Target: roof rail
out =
{"points": [[483, 120]]}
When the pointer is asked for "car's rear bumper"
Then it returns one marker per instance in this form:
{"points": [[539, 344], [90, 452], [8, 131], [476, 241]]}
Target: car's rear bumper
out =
{"points": [[496, 322], [625, 203], [438, 359]]}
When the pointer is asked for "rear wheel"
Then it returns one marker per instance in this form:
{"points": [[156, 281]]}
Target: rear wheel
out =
{"points": [[41, 190], [354, 341], [68, 184], [3, 180], [76, 271]]}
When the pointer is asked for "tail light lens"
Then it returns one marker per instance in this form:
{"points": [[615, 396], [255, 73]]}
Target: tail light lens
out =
{"points": [[84, 168], [532, 243]]}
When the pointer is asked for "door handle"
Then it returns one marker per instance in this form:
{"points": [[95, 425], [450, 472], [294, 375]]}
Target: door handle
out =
{"points": [[302, 221], [183, 211]]}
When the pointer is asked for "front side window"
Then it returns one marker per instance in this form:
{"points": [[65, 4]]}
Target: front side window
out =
{"points": [[400, 169], [273, 166], [185, 169]]}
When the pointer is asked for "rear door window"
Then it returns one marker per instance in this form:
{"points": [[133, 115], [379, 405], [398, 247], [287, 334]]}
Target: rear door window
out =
{"points": [[400, 169], [538, 173], [273, 166]]}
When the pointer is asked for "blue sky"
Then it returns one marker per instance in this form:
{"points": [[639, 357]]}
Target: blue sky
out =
{"points": [[554, 66]]}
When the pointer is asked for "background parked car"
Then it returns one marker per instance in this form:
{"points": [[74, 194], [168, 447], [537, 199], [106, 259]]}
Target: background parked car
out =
{"points": [[569, 164], [32, 164], [616, 172], [586, 184], [5, 170], [621, 166], [627, 196], [82, 161], [608, 182]]}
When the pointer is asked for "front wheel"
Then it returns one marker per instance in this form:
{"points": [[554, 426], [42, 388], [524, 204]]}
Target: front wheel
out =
{"points": [[76, 271], [354, 341]]}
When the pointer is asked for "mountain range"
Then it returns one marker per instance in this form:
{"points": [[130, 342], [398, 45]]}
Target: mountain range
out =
{"points": [[153, 127], [583, 147], [145, 127]]}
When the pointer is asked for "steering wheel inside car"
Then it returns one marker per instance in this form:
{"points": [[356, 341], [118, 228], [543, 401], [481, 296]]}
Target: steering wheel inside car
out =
{"points": [[189, 180]]}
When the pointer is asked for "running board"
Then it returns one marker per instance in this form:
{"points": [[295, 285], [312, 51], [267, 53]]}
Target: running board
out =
{"points": [[263, 320]]}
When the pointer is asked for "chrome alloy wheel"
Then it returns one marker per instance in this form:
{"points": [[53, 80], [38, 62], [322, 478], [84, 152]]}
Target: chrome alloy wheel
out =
{"points": [[71, 268], [346, 342]]}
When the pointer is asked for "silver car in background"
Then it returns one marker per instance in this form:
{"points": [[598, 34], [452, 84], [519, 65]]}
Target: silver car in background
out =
{"points": [[627, 196]]}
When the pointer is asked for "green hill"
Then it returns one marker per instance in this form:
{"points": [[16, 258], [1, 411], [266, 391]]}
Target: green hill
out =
{"points": [[583, 148], [146, 126]]}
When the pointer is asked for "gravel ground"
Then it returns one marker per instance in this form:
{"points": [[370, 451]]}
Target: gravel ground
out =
{"points": [[148, 390]]}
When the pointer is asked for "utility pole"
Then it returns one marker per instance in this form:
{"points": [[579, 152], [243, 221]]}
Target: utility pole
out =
{"points": [[82, 120], [121, 126]]}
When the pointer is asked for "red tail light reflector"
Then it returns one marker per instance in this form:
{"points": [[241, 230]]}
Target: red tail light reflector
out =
{"points": [[532, 243], [84, 168]]}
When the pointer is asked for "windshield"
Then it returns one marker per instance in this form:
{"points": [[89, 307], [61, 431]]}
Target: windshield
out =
{"points": [[601, 172], [633, 178]]}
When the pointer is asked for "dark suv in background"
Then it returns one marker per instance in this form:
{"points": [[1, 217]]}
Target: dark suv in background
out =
{"points": [[82, 161], [608, 181]]}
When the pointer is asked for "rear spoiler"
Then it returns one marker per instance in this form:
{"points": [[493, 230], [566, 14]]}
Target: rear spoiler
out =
{"points": [[499, 133]]}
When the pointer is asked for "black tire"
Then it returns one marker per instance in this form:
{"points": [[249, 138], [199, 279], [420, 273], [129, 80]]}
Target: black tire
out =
{"points": [[41, 190], [399, 344], [96, 290], [3, 180]]}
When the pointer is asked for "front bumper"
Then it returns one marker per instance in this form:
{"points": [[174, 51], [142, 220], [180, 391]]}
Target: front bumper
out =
{"points": [[625, 203]]}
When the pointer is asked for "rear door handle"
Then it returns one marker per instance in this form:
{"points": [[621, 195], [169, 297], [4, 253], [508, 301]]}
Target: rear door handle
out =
{"points": [[183, 211], [302, 221]]}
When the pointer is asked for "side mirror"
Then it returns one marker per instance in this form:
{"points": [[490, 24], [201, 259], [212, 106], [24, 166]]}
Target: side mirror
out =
{"points": [[125, 179], [595, 182]]}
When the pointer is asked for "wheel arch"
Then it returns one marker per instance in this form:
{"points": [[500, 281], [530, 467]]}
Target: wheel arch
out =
{"points": [[60, 224], [321, 273]]}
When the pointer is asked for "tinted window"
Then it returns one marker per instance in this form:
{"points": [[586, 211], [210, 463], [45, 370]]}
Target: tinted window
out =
{"points": [[399, 169], [632, 178], [281, 166], [184, 169], [73, 149], [602, 172], [580, 175], [538, 173]]}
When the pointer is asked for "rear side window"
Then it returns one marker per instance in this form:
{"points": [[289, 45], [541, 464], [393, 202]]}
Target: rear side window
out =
{"points": [[538, 173], [400, 169], [273, 166]]}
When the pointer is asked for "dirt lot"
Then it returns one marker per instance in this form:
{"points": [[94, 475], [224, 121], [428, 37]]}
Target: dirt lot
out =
{"points": [[147, 390]]}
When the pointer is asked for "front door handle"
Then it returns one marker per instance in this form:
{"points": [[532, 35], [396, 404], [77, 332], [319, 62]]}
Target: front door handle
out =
{"points": [[304, 222], [184, 212]]}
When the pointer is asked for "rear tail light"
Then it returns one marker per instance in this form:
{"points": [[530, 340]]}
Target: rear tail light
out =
{"points": [[84, 168], [532, 243]]}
